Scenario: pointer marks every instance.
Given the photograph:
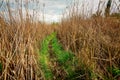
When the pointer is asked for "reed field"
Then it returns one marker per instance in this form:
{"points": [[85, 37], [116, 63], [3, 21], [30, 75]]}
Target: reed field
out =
{"points": [[77, 48]]}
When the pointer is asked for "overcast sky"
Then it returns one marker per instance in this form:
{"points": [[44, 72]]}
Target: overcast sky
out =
{"points": [[53, 9]]}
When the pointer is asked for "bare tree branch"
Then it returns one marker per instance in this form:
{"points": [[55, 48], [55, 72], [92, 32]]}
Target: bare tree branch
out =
{"points": [[107, 10], [1, 3]]}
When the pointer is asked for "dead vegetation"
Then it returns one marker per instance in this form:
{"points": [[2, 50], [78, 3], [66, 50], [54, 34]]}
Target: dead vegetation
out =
{"points": [[95, 42]]}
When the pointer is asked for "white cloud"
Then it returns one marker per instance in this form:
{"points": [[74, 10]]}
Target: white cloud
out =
{"points": [[53, 8]]}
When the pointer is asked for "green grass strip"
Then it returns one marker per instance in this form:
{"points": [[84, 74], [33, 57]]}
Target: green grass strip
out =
{"points": [[64, 58]]}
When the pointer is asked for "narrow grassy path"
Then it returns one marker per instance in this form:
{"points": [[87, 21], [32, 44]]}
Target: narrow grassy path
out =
{"points": [[52, 52]]}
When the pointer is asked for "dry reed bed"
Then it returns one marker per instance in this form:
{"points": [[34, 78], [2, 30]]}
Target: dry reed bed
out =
{"points": [[95, 41], [19, 43]]}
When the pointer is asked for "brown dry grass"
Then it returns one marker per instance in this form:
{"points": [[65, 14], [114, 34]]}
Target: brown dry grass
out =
{"points": [[94, 41], [19, 44]]}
